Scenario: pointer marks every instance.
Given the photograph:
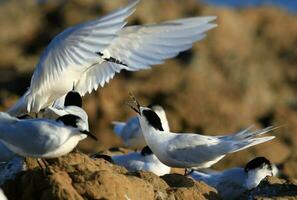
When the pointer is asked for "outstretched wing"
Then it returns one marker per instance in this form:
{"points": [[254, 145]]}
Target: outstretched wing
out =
{"points": [[139, 47], [76, 47]]}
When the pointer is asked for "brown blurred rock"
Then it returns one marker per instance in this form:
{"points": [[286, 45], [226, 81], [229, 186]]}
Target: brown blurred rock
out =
{"points": [[77, 176], [273, 188], [186, 188]]}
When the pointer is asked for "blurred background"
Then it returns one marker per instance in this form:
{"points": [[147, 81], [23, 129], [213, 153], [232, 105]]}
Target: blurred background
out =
{"points": [[244, 72]]}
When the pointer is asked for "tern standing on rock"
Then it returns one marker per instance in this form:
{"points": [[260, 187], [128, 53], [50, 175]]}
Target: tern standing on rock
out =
{"points": [[42, 138], [131, 132], [233, 182], [72, 106], [89, 54], [190, 150]]}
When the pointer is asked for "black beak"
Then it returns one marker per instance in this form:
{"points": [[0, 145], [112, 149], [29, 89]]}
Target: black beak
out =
{"points": [[89, 134], [133, 104]]}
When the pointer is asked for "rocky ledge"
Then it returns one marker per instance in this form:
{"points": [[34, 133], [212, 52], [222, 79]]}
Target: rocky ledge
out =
{"points": [[77, 176]]}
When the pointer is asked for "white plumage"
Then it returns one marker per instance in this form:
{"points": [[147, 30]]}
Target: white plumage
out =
{"points": [[89, 54], [41, 138], [231, 183], [71, 104], [141, 161], [190, 150]]}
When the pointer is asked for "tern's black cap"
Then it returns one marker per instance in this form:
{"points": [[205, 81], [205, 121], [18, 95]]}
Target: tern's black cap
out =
{"points": [[153, 119], [146, 151], [69, 120], [257, 162], [73, 98]]}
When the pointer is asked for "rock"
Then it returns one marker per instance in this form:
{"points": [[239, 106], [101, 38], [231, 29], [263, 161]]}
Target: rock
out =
{"points": [[77, 176], [274, 188]]}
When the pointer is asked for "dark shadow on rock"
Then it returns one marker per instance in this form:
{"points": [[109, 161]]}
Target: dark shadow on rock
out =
{"points": [[103, 156], [177, 180], [276, 190], [211, 195], [26, 185]]}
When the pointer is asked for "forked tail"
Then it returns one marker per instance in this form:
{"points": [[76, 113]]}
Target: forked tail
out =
{"points": [[247, 138]]}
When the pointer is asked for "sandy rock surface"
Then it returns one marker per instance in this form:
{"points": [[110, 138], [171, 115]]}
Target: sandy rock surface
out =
{"points": [[77, 176]]}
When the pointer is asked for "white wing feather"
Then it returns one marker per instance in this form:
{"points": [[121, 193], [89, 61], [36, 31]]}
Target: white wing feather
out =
{"points": [[76, 47], [139, 47]]}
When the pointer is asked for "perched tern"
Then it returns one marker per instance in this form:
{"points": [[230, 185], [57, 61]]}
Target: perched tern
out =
{"points": [[131, 132], [89, 54], [72, 104], [233, 182], [42, 138], [144, 160], [190, 150]]}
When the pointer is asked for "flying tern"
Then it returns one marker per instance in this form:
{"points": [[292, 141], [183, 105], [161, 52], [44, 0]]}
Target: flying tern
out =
{"points": [[89, 54]]}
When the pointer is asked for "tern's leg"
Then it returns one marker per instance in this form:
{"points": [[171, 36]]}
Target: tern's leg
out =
{"points": [[43, 165], [187, 172], [40, 163]]}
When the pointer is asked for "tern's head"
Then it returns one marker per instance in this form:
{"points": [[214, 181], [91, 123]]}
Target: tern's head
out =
{"points": [[151, 118], [147, 116], [73, 98], [159, 110], [257, 169], [76, 122]]}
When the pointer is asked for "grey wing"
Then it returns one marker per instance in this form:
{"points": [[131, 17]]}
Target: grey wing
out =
{"points": [[36, 136], [195, 148], [132, 129], [132, 161], [231, 183]]}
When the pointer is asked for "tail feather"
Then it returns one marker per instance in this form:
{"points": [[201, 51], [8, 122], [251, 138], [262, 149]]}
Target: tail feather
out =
{"points": [[118, 127], [246, 133], [240, 145], [246, 138]]}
